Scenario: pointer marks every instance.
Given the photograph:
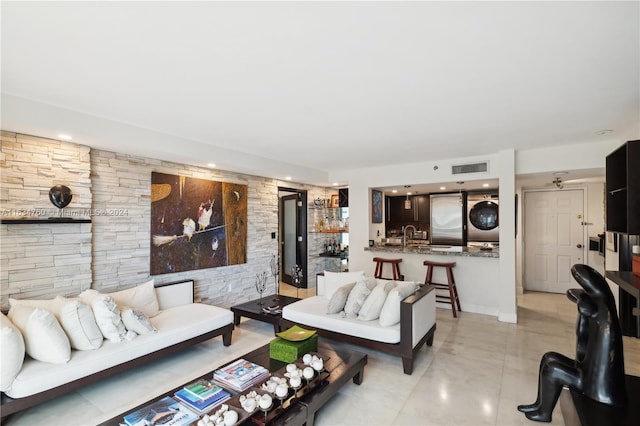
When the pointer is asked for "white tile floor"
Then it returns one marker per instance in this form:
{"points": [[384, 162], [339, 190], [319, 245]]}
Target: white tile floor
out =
{"points": [[476, 373]]}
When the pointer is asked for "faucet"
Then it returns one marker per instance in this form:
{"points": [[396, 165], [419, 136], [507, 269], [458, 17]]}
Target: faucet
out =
{"points": [[404, 238]]}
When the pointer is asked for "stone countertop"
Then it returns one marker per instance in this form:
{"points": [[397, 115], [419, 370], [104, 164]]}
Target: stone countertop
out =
{"points": [[452, 251]]}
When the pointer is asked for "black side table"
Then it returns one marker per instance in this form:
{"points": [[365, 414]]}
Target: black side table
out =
{"points": [[253, 310]]}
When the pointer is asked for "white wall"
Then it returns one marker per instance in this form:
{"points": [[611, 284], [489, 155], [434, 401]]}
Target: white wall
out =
{"points": [[505, 166], [565, 157]]}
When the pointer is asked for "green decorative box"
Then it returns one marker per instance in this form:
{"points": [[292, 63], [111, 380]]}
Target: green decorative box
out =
{"points": [[288, 351]]}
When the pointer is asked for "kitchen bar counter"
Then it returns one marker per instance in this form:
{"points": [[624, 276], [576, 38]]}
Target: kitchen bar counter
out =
{"points": [[438, 250], [476, 273]]}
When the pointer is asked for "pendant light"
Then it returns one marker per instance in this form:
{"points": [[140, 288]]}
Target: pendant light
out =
{"points": [[407, 202], [460, 183]]}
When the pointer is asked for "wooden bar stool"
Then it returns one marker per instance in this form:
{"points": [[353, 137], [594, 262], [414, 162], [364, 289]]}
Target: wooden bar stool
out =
{"points": [[394, 268], [452, 298]]}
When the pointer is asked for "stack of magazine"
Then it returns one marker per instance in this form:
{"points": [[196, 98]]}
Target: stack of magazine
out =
{"points": [[166, 411], [202, 395], [240, 375]]}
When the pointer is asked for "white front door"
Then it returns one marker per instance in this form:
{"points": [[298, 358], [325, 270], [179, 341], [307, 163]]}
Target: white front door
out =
{"points": [[553, 239]]}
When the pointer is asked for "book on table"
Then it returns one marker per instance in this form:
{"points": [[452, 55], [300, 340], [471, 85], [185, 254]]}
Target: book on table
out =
{"points": [[202, 389], [240, 374], [166, 411], [201, 406]]}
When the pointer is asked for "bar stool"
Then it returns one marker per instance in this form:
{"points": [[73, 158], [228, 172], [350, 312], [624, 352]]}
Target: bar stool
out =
{"points": [[452, 298], [394, 268]]}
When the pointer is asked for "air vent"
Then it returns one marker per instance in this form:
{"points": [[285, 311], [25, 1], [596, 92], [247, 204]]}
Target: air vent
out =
{"points": [[470, 168]]}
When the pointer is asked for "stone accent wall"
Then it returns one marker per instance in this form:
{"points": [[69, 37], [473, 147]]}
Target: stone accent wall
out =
{"points": [[122, 188], [112, 252], [30, 267]]}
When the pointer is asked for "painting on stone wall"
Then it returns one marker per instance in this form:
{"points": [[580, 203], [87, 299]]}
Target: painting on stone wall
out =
{"points": [[196, 223]]}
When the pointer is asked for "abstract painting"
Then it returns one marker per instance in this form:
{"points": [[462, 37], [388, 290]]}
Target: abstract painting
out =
{"points": [[376, 206], [196, 223]]}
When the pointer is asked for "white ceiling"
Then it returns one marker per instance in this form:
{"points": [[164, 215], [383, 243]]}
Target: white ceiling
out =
{"points": [[308, 88]]}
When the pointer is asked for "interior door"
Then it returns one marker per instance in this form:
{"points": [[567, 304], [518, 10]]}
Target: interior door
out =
{"points": [[553, 239], [293, 236], [289, 236]]}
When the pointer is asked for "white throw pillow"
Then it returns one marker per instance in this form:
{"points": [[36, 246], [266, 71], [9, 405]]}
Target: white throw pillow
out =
{"points": [[390, 313], [13, 350], [373, 304], [136, 321], [75, 317], [334, 280], [107, 315], [142, 298], [339, 298], [357, 296], [44, 338], [46, 304], [78, 321]]}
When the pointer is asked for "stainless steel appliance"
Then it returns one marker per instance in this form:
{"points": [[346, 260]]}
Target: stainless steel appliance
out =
{"points": [[447, 219], [482, 218]]}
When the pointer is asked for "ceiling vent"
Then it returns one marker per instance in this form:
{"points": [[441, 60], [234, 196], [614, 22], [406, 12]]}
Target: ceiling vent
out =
{"points": [[470, 168]]}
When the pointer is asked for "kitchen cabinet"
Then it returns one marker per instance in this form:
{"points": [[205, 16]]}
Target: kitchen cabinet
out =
{"points": [[395, 211], [397, 214], [623, 189], [420, 208]]}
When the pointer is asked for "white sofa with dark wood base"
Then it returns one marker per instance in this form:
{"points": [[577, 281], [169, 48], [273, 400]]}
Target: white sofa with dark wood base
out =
{"points": [[416, 327], [180, 324]]}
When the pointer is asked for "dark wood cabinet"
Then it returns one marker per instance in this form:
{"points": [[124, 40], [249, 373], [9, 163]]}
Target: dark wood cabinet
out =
{"points": [[623, 189], [396, 213], [421, 208]]}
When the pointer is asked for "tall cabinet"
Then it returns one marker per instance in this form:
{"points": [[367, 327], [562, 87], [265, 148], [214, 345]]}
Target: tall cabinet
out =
{"points": [[623, 189], [623, 219]]}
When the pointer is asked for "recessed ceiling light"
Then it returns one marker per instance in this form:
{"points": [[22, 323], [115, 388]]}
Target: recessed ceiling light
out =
{"points": [[212, 165], [560, 173], [335, 183], [288, 178], [442, 188], [604, 132], [394, 191], [65, 137], [485, 185]]}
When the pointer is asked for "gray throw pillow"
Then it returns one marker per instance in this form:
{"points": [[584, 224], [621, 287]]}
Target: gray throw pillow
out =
{"points": [[339, 298], [356, 298]]}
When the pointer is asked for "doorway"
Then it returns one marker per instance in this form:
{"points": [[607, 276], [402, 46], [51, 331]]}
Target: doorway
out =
{"points": [[553, 238], [292, 215]]}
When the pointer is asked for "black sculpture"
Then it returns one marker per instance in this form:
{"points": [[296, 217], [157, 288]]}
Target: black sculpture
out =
{"points": [[598, 370], [60, 196]]}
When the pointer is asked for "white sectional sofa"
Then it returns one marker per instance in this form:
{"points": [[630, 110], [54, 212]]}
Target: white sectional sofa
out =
{"points": [[179, 324], [416, 316]]}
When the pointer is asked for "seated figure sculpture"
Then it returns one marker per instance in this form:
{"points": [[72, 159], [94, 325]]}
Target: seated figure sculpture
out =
{"points": [[598, 370]]}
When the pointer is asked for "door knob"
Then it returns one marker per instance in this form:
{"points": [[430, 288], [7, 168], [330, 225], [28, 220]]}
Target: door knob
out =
{"points": [[579, 246]]}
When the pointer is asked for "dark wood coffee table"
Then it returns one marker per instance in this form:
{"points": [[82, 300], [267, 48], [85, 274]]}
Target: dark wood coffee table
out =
{"points": [[342, 365], [253, 310]]}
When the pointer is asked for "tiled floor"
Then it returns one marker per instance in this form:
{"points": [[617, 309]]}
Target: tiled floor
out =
{"points": [[476, 373]]}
